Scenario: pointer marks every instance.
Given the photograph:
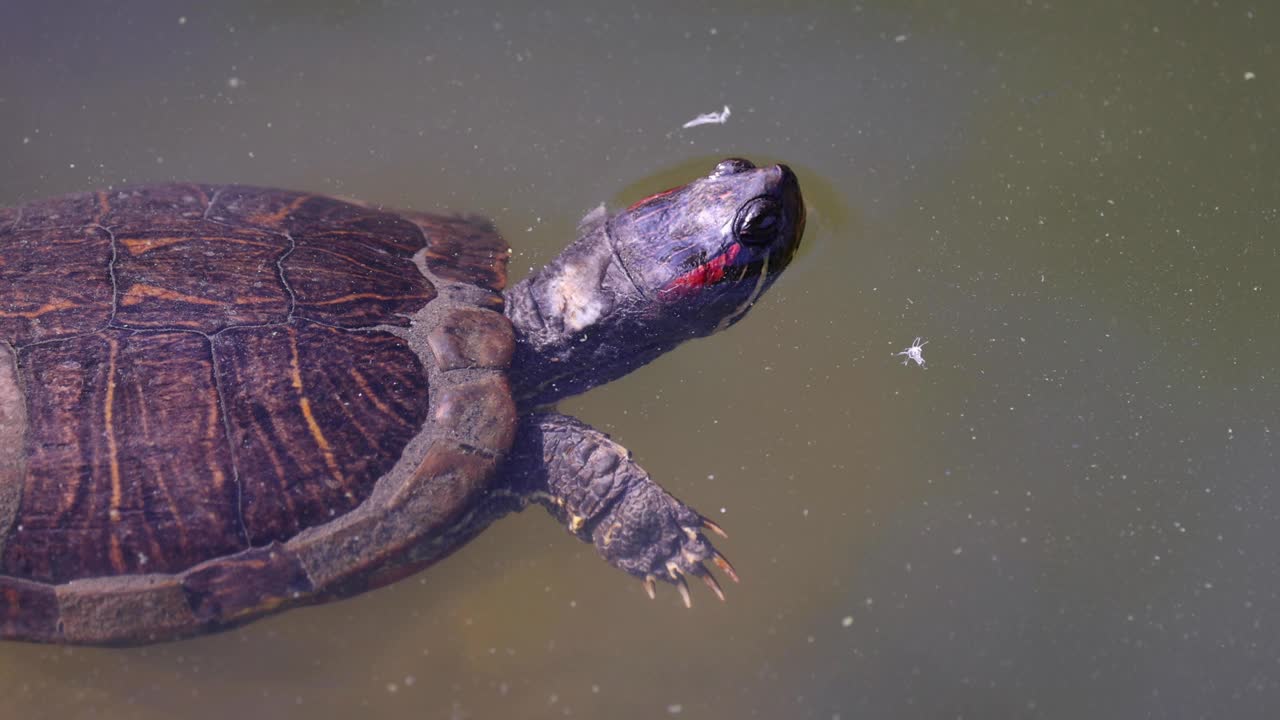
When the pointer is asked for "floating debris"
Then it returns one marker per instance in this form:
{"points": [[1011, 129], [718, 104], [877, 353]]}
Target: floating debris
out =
{"points": [[915, 352], [711, 118]]}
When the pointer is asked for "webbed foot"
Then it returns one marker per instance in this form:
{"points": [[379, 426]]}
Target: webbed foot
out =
{"points": [[591, 484], [654, 536]]}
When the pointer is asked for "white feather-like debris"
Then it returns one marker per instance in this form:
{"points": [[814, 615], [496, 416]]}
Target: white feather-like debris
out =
{"points": [[711, 118]]}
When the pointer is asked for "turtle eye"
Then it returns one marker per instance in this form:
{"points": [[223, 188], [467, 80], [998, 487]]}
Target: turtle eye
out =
{"points": [[758, 221]]}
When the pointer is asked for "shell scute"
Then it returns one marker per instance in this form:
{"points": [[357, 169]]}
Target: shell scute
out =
{"points": [[246, 584], [128, 470], [312, 436], [199, 275], [28, 609], [56, 283]]}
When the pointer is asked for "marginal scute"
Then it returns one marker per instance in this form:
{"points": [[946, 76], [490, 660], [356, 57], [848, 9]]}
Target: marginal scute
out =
{"points": [[448, 477], [380, 543], [250, 583], [472, 338], [333, 554], [13, 431], [123, 610], [28, 610], [479, 413]]}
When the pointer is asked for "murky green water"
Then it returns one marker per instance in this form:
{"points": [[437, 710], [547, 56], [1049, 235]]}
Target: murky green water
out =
{"points": [[1070, 513]]}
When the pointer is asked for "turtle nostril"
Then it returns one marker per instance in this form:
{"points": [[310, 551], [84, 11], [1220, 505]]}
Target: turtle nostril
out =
{"points": [[731, 166]]}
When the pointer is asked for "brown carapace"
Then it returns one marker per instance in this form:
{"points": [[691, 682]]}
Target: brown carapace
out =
{"points": [[218, 402]]}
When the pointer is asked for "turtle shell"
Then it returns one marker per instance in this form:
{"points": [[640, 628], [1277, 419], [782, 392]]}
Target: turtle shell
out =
{"points": [[216, 402]]}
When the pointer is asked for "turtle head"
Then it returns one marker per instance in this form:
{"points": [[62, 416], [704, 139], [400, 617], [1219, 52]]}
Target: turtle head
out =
{"points": [[700, 255], [680, 264]]}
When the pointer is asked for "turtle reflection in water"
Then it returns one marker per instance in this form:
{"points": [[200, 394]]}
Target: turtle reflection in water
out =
{"points": [[220, 402]]}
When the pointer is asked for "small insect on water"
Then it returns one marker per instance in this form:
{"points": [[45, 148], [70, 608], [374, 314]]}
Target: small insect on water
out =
{"points": [[915, 352]]}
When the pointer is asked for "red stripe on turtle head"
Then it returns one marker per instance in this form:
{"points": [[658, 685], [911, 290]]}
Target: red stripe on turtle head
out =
{"points": [[707, 274], [653, 197]]}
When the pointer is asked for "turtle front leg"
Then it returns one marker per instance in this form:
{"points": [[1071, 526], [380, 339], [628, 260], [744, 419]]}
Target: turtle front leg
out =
{"points": [[591, 484]]}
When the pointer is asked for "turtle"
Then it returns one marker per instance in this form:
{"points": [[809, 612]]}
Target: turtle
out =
{"points": [[221, 401]]}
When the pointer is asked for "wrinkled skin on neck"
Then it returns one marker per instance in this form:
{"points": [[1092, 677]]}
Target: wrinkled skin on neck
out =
{"points": [[681, 264]]}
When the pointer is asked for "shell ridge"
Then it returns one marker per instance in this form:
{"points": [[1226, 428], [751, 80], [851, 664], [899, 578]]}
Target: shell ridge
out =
{"points": [[221, 393]]}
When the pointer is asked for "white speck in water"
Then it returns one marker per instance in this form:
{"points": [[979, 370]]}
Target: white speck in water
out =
{"points": [[847, 621], [900, 39], [957, 551], [234, 82], [675, 708], [182, 20], [26, 141], [392, 688], [1248, 75]]}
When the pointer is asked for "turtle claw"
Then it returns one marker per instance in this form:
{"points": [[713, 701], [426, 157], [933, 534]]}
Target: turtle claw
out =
{"points": [[710, 524], [710, 582], [683, 587], [723, 563], [693, 555], [692, 560]]}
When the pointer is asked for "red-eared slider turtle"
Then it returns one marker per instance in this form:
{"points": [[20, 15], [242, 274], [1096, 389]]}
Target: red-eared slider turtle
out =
{"points": [[218, 402]]}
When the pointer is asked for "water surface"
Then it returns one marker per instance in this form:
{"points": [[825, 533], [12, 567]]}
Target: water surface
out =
{"points": [[1068, 513]]}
